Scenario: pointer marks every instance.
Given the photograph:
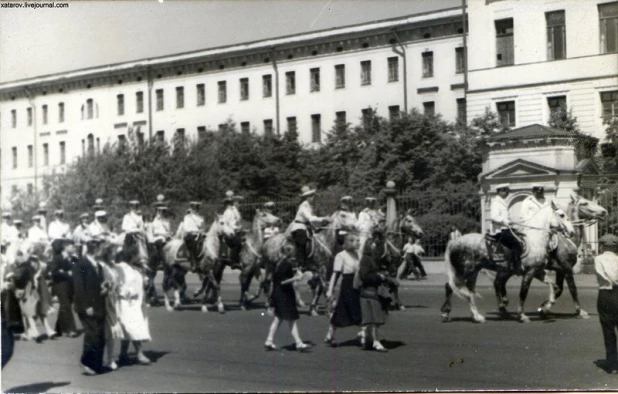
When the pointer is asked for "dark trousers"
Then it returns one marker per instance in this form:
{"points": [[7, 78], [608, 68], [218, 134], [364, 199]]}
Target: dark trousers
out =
{"points": [[413, 259], [235, 246], [300, 239], [8, 342], [65, 324], [191, 240], [159, 245], [94, 341], [607, 306]]}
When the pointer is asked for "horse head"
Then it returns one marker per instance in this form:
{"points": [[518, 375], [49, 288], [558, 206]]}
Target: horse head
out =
{"points": [[224, 228], [265, 219], [347, 220], [560, 220], [584, 209], [409, 225]]}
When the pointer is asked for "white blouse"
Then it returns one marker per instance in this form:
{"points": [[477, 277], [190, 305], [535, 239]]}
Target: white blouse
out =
{"points": [[346, 263]]}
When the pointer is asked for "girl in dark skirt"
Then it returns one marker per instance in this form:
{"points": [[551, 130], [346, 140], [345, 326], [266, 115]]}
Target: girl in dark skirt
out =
{"points": [[373, 311], [62, 287], [346, 305], [283, 299]]}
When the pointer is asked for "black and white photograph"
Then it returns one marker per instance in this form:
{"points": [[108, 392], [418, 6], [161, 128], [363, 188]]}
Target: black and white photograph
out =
{"points": [[308, 195]]}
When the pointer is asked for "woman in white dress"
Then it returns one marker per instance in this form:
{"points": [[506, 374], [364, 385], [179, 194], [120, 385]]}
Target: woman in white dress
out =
{"points": [[131, 309]]}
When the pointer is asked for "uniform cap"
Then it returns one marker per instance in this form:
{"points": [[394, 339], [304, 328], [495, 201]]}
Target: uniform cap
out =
{"points": [[609, 240], [99, 214], [6, 215], [162, 208], [368, 199], [18, 221], [98, 204], [58, 212], [133, 202], [195, 203], [502, 186], [84, 216], [36, 218], [347, 199], [307, 191], [160, 200], [269, 204], [536, 186], [42, 207]]}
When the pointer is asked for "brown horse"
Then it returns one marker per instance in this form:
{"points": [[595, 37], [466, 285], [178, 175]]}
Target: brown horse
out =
{"points": [[465, 257]]}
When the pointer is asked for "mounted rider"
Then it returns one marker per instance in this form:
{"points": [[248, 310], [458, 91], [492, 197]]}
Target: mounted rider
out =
{"points": [[36, 234], [534, 203], [301, 228], [59, 231], [98, 228], [345, 205], [231, 215], [191, 228], [501, 231], [81, 233], [8, 231], [269, 207], [367, 216], [42, 212], [161, 228]]}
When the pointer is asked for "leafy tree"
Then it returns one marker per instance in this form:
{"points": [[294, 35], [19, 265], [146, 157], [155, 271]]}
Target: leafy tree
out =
{"points": [[563, 119]]}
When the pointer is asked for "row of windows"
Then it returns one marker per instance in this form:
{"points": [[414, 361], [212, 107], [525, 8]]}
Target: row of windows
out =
{"points": [[556, 34], [45, 146], [506, 109], [44, 115]]}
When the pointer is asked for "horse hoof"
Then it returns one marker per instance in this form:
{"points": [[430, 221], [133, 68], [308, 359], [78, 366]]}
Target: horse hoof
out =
{"points": [[243, 308], [583, 315], [169, 308], [543, 313], [204, 309], [503, 310], [402, 308], [524, 319], [314, 313], [301, 304], [480, 319], [196, 294], [221, 309], [446, 318]]}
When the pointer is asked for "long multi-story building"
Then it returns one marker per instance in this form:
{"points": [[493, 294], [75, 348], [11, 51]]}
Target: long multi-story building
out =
{"points": [[304, 81], [529, 58]]}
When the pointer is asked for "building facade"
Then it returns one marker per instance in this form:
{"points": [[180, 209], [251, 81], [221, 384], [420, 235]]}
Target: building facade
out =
{"points": [[540, 56], [306, 82]]}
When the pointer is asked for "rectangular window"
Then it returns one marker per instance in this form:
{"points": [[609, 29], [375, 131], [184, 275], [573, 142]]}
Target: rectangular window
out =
{"points": [[45, 154], [393, 69], [180, 97], [90, 108], [608, 23], [556, 35], [160, 136], [160, 102], [366, 117], [201, 133], [393, 112], [290, 82], [267, 85], [244, 89], [30, 189], [122, 141], [139, 102], [222, 85], [460, 60], [63, 152], [44, 113], [314, 79], [292, 127], [140, 140], [13, 118], [506, 113], [340, 76], [555, 103], [200, 91], [316, 128], [427, 64], [429, 108], [60, 112], [505, 53], [366, 72], [609, 100], [461, 111], [120, 104], [179, 139], [29, 115], [341, 118], [30, 156], [245, 127], [268, 127], [14, 152]]}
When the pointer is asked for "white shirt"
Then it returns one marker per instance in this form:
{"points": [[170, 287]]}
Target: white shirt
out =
{"points": [[97, 228], [9, 233], [132, 222], [499, 214], [232, 216], [192, 223], [37, 234], [58, 229], [365, 218], [161, 228], [531, 206], [346, 263], [80, 234], [606, 266], [304, 217], [413, 249]]}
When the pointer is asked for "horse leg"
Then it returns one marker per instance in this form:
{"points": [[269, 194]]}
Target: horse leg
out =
{"points": [[48, 330], [316, 289], [523, 294], [500, 289], [553, 291], [579, 312], [446, 307], [470, 285]]}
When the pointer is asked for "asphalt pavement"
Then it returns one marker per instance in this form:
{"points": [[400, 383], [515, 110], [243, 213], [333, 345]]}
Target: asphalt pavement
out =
{"points": [[211, 352]]}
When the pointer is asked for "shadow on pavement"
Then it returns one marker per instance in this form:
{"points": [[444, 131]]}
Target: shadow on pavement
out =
{"points": [[37, 387], [392, 344]]}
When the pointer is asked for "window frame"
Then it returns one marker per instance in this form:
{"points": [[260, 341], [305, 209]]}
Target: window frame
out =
{"points": [[612, 103], [244, 89], [120, 104], [180, 97], [14, 157], [365, 72], [504, 36], [44, 113], [427, 63], [200, 95], [61, 109], [392, 64], [429, 108], [268, 127], [267, 85], [63, 152], [45, 154], [221, 92], [314, 79], [139, 102], [291, 121], [160, 100], [290, 83], [509, 122], [460, 60], [316, 128], [554, 29], [604, 21], [339, 76]]}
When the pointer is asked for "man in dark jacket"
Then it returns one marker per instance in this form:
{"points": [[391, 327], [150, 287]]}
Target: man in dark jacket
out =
{"points": [[89, 304]]}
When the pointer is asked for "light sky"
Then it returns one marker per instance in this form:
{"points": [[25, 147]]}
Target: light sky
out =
{"points": [[36, 42]]}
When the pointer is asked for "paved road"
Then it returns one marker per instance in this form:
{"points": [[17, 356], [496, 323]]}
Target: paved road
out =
{"points": [[212, 352]]}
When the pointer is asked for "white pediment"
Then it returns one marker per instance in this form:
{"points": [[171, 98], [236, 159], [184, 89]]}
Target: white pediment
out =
{"points": [[519, 168]]}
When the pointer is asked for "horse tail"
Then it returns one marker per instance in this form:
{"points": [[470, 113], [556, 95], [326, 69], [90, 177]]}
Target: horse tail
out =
{"points": [[453, 278]]}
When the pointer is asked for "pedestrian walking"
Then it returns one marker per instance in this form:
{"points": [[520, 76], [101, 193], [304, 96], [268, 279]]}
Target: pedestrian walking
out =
{"points": [[131, 308], [346, 303], [90, 307], [109, 289], [62, 288], [411, 253], [283, 299], [373, 310], [606, 267]]}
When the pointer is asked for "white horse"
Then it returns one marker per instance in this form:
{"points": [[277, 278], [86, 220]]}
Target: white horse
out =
{"points": [[466, 256]]}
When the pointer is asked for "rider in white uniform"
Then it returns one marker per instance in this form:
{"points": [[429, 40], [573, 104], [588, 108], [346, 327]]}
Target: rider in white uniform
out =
{"points": [[133, 222], [59, 231], [36, 234], [231, 215], [273, 230], [8, 231], [534, 203], [191, 227], [301, 228], [500, 220], [161, 229]]}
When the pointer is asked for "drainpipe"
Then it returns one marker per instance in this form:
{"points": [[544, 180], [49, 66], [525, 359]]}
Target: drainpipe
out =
{"points": [[150, 83], [277, 104], [405, 71], [30, 98]]}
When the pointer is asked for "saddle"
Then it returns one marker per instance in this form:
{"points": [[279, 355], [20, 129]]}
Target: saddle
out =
{"points": [[500, 253]]}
